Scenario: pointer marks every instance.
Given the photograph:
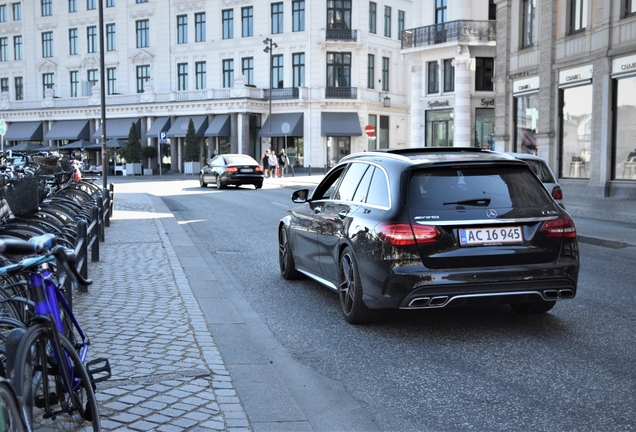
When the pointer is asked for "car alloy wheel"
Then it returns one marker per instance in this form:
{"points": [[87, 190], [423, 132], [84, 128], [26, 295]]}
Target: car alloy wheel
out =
{"points": [[219, 183], [350, 290], [285, 257], [201, 182]]}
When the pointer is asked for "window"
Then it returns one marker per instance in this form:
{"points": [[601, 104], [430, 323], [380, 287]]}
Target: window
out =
{"points": [[111, 38], [370, 71], [440, 11], [72, 42], [143, 75], [110, 3], [247, 21], [373, 11], [576, 131], [72, 5], [199, 27], [200, 68], [433, 77], [92, 76], [17, 47], [182, 76], [578, 15], [111, 79], [17, 11], [19, 87], [3, 13], [4, 85], [47, 8], [339, 14], [248, 70], [47, 44], [91, 4], [298, 15], [228, 23], [387, 21], [385, 74], [228, 73], [484, 67], [298, 66], [449, 75], [47, 83], [623, 146], [400, 24], [182, 29], [277, 71], [528, 23], [91, 39], [630, 8], [143, 30], [74, 83], [277, 18], [338, 69], [4, 49], [141, 1]]}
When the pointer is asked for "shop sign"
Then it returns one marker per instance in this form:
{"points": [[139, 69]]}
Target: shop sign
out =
{"points": [[487, 102], [624, 65], [438, 104], [583, 73], [525, 85]]}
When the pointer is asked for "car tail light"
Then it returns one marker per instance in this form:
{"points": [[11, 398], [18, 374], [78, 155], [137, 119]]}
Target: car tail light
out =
{"points": [[562, 227], [557, 193], [231, 169], [403, 234], [258, 169]]}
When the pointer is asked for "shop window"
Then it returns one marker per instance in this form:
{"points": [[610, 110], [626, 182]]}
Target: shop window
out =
{"points": [[624, 148], [576, 131]]}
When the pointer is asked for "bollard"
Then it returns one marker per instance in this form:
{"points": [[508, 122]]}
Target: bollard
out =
{"points": [[98, 229], [310, 169]]}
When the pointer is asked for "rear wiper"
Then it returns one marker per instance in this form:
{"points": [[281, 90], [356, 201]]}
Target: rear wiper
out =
{"points": [[471, 202]]}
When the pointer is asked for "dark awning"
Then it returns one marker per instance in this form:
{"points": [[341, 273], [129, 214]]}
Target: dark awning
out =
{"points": [[117, 128], [71, 130], [220, 126], [24, 131], [294, 122], [179, 127], [161, 124], [340, 124]]}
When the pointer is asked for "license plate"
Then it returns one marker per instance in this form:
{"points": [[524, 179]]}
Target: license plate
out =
{"points": [[490, 236], [247, 170]]}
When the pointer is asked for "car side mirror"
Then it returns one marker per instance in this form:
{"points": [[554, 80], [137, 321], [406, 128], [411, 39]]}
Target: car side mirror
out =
{"points": [[300, 196]]}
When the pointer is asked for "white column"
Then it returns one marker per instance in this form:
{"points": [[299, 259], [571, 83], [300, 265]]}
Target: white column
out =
{"points": [[462, 120], [417, 110], [239, 121]]}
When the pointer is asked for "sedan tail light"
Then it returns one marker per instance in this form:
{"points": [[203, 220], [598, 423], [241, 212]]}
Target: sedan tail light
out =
{"points": [[562, 227], [231, 169], [557, 193], [403, 234]]}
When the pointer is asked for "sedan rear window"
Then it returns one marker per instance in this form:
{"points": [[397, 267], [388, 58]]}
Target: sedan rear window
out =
{"points": [[494, 187]]}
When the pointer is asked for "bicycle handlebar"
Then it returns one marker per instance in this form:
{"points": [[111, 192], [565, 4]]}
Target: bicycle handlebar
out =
{"points": [[40, 244]]}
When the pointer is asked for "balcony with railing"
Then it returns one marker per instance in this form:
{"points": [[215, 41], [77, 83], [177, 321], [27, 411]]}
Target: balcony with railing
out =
{"points": [[282, 93], [346, 35], [341, 93], [454, 31]]}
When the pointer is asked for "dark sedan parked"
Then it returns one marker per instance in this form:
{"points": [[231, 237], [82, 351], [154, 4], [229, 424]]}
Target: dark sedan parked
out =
{"points": [[232, 169], [430, 228]]}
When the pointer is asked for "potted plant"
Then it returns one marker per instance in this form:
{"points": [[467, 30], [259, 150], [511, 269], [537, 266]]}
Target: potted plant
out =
{"points": [[148, 153], [131, 153], [192, 152]]}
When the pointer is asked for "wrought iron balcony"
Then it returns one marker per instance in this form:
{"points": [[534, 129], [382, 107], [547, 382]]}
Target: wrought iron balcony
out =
{"points": [[342, 34], [341, 92], [282, 93], [458, 31]]}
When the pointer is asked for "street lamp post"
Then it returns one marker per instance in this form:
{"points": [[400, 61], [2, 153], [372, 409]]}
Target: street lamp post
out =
{"points": [[269, 49]]}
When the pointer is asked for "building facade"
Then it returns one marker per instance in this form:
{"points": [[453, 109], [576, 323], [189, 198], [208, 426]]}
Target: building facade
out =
{"points": [[565, 79], [331, 68]]}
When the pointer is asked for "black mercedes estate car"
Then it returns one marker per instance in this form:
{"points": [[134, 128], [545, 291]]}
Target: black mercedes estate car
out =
{"points": [[431, 228]]}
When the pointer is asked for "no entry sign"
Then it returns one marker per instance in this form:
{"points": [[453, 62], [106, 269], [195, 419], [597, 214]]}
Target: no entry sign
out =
{"points": [[370, 130]]}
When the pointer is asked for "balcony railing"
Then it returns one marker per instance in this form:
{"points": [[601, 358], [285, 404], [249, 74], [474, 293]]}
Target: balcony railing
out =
{"points": [[341, 93], [342, 34], [457, 31], [282, 93]]}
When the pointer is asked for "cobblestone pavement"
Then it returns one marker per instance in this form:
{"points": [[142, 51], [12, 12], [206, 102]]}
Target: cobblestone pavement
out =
{"points": [[141, 314]]}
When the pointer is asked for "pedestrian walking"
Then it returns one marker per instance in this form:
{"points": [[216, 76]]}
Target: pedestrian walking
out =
{"points": [[273, 163], [282, 162], [265, 163]]}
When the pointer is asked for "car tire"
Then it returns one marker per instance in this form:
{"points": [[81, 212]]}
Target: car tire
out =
{"points": [[350, 291], [201, 182], [258, 185], [533, 308], [285, 257], [219, 183]]}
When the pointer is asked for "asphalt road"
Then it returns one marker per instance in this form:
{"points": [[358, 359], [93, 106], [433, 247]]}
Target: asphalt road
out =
{"points": [[435, 370]]}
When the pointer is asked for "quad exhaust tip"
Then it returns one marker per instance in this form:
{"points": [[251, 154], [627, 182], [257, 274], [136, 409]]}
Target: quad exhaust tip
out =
{"points": [[441, 301]]}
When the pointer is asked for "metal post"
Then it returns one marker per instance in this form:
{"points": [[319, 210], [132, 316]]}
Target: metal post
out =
{"points": [[102, 88], [269, 49]]}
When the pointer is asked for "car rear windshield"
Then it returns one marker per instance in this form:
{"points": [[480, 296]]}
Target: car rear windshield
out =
{"points": [[492, 187], [239, 160]]}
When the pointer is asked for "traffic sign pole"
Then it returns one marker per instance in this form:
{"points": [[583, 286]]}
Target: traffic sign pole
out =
{"points": [[3, 130]]}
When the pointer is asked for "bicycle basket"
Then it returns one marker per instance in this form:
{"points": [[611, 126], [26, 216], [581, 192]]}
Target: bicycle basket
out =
{"points": [[23, 197], [46, 164]]}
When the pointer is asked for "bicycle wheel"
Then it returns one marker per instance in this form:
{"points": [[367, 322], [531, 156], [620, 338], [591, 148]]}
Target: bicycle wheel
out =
{"points": [[41, 389], [10, 416]]}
